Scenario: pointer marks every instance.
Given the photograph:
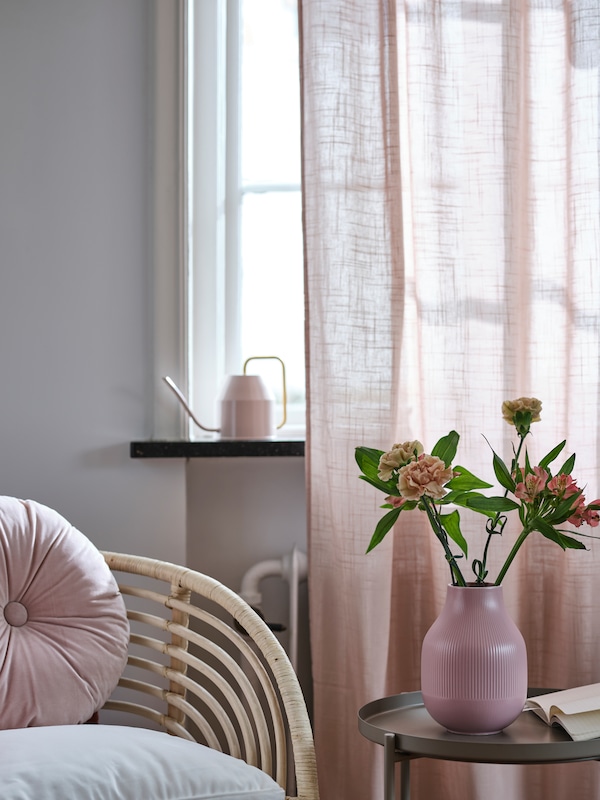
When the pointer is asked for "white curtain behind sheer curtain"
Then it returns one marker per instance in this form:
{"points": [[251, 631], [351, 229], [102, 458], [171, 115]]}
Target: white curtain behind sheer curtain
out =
{"points": [[452, 207]]}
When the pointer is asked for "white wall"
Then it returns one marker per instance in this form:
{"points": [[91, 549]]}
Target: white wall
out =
{"points": [[242, 511], [76, 267]]}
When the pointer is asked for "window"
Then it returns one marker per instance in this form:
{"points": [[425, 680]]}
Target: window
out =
{"points": [[245, 293]]}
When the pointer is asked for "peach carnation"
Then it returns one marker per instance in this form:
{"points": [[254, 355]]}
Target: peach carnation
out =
{"points": [[426, 476]]}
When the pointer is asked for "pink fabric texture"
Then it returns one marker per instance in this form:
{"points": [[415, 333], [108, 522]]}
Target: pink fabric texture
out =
{"points": [[63, 626], [451, 185]]}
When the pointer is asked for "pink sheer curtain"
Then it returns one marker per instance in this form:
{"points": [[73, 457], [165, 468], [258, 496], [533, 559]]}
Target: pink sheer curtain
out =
{"points": [[452, 207]]}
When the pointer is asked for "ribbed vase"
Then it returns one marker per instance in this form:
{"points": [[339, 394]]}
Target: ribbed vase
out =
{"points": [[474, 663]]}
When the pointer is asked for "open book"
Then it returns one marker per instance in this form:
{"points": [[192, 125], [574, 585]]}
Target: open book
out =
{"points": [[577, 710]]}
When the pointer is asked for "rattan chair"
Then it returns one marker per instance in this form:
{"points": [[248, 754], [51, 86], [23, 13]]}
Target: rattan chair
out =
{"points": [[202, 665]]}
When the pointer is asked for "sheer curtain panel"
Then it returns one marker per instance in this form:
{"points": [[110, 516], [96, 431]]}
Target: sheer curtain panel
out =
{"points": [[451, 219]]}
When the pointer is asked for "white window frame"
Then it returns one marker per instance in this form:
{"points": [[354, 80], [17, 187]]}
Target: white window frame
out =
{"points": [[214, 159], [197, 299]]}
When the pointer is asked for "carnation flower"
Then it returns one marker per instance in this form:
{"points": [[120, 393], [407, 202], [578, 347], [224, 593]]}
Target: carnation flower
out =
{"points": [[521, 413], [426, 476], [398, 456]]}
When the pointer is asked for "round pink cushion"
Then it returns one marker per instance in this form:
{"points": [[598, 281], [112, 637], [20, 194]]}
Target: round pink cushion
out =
{"points": [[63, 626]]}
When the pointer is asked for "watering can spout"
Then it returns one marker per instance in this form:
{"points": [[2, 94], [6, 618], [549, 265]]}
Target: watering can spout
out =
{"points": [[182, 399]]}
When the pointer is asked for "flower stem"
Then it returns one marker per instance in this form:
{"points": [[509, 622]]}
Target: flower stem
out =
{"points": [[515, 549], [513, 467], [455, 572]]}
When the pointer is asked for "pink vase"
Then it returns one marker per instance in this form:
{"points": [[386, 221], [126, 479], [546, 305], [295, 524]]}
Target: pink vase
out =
{"points": [[474, 663]]}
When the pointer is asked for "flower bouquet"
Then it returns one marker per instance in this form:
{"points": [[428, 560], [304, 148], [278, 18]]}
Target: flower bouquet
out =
{"points": [[412, 479]]}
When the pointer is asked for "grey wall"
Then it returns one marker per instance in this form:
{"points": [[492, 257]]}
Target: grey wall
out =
{"points": [[76, 263]]}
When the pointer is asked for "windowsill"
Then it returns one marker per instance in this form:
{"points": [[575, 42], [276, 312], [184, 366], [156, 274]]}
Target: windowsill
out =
{"points": [[217, 448]]}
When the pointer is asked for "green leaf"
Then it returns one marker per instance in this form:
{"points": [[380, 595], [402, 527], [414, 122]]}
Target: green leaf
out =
{"points": [[458, 498], [571, 543], [554, 535], [451, 523], [489, 505], [465, 480], [549, 458], [389, 487], [383, 526], [567, 467], [462, 499], [502, 473], [368, 460], [548, 531], [563, 510], [452, 496], [446, 447]]}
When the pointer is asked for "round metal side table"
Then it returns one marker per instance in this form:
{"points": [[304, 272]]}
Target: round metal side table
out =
{"points": [[402, 725]]}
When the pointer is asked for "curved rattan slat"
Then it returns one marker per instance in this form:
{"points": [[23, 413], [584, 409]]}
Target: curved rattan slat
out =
{"points": [[265, 759], [218, 680], [243, 646], [190, 712], [278, 695], [255, 664], [200, 692], [244, 685], [157, 717]]}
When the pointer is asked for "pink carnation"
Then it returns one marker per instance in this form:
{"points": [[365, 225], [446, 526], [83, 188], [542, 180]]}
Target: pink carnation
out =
{"points": [[426, 476]]}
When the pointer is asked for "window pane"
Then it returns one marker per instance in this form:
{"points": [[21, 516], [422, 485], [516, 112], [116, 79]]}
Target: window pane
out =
{"points": [[270, 114], [272, 285]]}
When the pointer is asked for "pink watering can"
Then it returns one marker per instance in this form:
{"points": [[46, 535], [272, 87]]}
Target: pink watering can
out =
{"points": [[247, 406]]}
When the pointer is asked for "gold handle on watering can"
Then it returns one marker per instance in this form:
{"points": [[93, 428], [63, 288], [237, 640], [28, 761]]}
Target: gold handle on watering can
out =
{"points": [[276, 358]]}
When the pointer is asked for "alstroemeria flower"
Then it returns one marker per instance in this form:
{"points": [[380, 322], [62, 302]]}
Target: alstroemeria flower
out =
{"points": [[426, 476], [591, 515], [562, 486], [399, 455], [534, 483], [577, 518], [395, 501]]}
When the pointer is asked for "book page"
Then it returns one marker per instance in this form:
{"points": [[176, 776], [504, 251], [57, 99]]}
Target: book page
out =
{"points": [[568, 701], [577, 710], [585, 725]]}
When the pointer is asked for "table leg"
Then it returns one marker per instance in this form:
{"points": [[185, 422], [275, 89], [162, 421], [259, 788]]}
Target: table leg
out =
{"points": [[405, 780], [389, 770], [389, 767]]}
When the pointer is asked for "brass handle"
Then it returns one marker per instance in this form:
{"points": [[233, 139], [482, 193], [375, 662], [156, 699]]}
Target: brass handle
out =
{"points": [[276, 358]]}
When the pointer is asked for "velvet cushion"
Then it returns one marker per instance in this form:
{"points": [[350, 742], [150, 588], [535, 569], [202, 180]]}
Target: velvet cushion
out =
{"points": [[63, 626], [122, 763]]}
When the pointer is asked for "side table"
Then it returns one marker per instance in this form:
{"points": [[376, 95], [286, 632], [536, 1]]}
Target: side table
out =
{"points": [[402, 725]]}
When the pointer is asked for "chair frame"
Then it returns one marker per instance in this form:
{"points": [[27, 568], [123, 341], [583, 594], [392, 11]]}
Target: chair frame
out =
{"points": [[211, 671]]}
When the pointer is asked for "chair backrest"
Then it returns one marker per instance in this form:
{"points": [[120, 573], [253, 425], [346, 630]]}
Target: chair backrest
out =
{"points": [[203, 665]]}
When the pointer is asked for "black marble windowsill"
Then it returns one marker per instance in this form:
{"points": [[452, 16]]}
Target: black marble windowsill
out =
{"points": [[217, 448]]}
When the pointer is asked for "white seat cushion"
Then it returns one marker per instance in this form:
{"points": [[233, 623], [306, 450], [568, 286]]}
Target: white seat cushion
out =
{"points": [[112, 762]]}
